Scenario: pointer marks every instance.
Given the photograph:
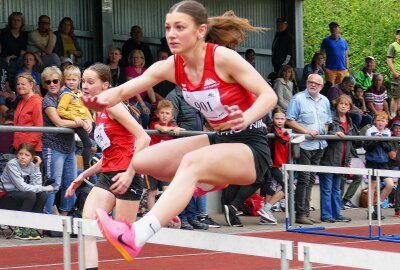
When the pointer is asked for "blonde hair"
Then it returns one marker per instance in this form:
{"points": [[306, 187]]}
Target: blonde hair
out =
{"points": [[72, 71], [132, 53], [165, 104], [48, 71], [27, 76], [226, 30], [381, 114]]}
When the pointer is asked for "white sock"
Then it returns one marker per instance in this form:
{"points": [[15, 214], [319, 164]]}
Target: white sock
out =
{"points": [[267, 206], [145, 228]]}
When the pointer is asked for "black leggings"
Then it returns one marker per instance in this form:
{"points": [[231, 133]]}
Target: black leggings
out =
{"points": [[86, 146], [26, 201]]}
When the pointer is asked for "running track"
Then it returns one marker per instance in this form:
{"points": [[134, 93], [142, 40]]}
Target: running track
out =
{"points": [[156, 257]]}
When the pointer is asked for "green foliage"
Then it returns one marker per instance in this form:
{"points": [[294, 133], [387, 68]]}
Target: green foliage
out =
{"points": [[367, 25]]}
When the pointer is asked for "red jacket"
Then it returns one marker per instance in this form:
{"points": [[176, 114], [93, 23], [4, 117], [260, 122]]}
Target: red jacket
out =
{"points": [[29, 113]]}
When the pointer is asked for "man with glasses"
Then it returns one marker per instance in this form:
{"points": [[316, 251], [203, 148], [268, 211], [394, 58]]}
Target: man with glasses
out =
{"points": [[42, 42], [308, 113]]}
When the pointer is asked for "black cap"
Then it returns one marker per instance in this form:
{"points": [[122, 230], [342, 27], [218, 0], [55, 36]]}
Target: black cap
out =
{"points": [[397, 31], [281, 20], [332, 24]]}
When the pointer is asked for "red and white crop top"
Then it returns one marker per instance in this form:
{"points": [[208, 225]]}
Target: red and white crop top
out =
{"points": [[212, 93]]}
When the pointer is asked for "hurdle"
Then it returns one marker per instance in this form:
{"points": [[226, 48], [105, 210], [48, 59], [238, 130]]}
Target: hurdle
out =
{"points": [[325, 169], [43, 222], [344, 256], [246, 245], [378, 174]]}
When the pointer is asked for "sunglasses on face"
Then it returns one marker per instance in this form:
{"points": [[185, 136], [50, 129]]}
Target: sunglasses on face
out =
{"points": [[48, 82]]}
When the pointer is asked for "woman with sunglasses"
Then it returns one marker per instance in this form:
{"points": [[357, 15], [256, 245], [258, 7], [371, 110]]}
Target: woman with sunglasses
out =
{"points": [[58, 149]]}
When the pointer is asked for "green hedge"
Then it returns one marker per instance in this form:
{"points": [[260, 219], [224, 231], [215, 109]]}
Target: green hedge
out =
{"points": [[367, 25]]}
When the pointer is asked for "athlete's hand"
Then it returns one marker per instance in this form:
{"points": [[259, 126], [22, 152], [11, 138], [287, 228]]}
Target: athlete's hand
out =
{"points": [[122, 181], [74, 185], [96, 103], [236, 116]]}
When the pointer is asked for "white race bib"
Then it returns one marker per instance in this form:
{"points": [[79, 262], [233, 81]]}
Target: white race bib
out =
{"points": [[101, 137], [208, 102]]}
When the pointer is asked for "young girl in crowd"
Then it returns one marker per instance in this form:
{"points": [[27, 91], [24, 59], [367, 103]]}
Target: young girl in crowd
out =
{"points": [[28, 65], [22, 182], [229, 92], [280, 154], [120, 137], [338, 153]]}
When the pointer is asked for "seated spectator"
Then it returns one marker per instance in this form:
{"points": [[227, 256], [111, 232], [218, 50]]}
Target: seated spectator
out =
{"points": [[136, 43], [28, 67], [4, 88], [359, 102], [283, 86], [315, 67], [162, 89], [67, 45], [141, 101], [376, 96], [118, 73], [7, 138], [13, 40], [377, 157], [338, 153], [71, 107], [364, 76], [250, 56], [42, 42], [345, 88], [22, 182], [28, 112]]}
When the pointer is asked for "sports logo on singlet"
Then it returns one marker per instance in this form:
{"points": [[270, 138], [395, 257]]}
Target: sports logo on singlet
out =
{"points": [[208, 102]]}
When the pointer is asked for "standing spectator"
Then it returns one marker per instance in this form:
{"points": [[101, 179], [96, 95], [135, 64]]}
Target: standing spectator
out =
{"points": [[118, 73], [337, 60], [282, 46], [377, 157], [162, 89], [67, 45], [394, 163], [315, 67], [309, 113], [393, 62], [376, 96], [338, 153], [283, 86], [13, 41], [250, 56], [136, 43], [28, 112], [58, 149], [42, 42], [135, 69], [364, 76]]}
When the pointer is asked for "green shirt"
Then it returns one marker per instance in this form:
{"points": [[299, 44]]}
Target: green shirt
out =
{"points": [[393, 52]]}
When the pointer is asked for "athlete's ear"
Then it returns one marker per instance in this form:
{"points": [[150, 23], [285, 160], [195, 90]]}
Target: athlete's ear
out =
{"points": [[202, 31]]}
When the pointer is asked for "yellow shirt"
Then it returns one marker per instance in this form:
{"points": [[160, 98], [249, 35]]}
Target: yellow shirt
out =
{"points": [[68, 44], [70, 106]]}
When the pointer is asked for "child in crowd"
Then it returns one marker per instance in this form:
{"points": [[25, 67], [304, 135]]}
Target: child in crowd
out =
{"points": [[358, 98], [376, 155], [28, 65], [394, 163], [22, 182], [71, 107], [280, 154], [339, 154], [165, 114]]}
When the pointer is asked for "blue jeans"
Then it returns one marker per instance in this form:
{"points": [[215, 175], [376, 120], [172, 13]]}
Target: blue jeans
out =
{"points": [[360, 120], [190, 212], [201, 203], [144, 117], [331, 203], [61, 168]]}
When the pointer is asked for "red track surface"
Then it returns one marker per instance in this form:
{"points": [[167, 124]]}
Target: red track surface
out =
{"points": [[155, 257]]}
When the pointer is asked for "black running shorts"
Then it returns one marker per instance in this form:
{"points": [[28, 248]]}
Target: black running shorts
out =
{"points": [[134, 192]]}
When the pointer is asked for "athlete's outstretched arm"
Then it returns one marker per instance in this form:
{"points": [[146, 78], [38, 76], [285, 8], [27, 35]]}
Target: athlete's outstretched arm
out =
{"points": [[230, 66], [159, 71]]}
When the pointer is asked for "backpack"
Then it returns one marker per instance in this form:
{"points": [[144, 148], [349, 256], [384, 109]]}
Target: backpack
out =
{"points": [[252, 204]]}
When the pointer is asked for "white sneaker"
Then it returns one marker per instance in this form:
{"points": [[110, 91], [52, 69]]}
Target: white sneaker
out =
{"points": [[267, 214]]}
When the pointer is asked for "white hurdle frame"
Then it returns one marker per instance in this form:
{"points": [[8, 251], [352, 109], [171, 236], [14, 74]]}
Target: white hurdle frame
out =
{"points": [[246, 245], [322, 169], [43, 222], [344, 256]]}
